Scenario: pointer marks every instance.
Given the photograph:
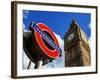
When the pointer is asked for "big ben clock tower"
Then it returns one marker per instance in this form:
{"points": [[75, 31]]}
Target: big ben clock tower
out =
{"points": [[76, 47]]}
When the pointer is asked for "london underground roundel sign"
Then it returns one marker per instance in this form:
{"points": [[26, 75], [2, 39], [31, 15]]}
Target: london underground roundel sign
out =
{"points": [[44, 35]]}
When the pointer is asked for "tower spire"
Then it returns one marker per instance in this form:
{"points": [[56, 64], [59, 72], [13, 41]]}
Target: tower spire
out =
{"points": [[73, 20], [73, 24]]}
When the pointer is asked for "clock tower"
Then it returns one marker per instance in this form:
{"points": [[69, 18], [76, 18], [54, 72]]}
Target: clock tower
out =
{"points": [[76, 47]]}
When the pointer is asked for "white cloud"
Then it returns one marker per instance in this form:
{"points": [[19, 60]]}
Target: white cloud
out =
{"points": [[90, 42], [89, 38], [24, 28], [26, 11], [25, 14], [89, 25], [61, 41]]}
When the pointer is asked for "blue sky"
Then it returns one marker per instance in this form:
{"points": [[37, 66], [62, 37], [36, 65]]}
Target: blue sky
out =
{"points": [[59, 22]]}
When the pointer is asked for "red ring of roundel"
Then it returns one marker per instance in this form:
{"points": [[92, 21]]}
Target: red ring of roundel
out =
{"points": [[50, 53]]}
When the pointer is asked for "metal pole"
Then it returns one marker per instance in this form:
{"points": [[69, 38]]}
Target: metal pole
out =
{"points": [[38, 65], [29, 64]]}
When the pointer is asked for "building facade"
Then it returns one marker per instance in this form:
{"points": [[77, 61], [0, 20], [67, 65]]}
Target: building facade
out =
{"points": [[76, 47]]}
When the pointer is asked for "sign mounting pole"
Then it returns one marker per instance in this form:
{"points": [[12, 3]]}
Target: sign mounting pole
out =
{"points": [[38, 65]]}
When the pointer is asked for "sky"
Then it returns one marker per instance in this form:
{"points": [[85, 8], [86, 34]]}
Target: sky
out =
{"points": [[59, 22]]}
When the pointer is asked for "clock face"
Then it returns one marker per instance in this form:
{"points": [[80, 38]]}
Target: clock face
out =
{"points": [[70, 37]]}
